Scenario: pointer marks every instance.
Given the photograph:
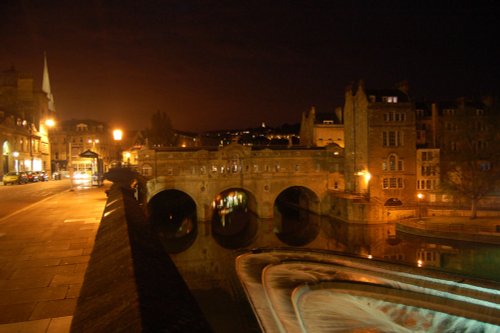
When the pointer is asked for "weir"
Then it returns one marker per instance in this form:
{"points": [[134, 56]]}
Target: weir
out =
{"points": [[298, 291]]}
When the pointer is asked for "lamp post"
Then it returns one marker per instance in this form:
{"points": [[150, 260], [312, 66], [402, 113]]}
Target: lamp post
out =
{"points": [[420, 196], [70, 164], [47, 163], [117, 136]]}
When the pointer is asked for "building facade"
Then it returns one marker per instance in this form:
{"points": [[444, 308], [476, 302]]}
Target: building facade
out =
{"points": [[72, 138], [322, 129], [458, 152], [380, 145], [26, 115]]}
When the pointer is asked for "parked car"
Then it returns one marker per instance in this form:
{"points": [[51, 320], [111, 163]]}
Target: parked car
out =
{"points": [[32, 176], [42, 176], [14, 177]]}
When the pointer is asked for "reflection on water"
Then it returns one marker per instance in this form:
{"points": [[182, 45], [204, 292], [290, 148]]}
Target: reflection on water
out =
{"points": [[233, 224], [381, 242], [208, 270], [473, 259]]}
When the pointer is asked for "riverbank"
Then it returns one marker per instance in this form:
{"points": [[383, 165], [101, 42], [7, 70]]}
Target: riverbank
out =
{"points": [[481, 229]]}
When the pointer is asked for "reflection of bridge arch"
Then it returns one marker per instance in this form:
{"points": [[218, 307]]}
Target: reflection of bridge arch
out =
{"points": [[173, 215], [295, 223], [234, 223]]}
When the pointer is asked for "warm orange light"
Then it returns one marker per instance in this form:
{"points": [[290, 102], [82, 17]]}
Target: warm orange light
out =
{"points": [[50, 122], [420, 196], [117, 134]]}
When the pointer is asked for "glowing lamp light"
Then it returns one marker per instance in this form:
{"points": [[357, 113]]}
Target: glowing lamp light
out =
{"points": [[420, 196], [117, 134], [15, 154], [366, 175], [50, 122]]}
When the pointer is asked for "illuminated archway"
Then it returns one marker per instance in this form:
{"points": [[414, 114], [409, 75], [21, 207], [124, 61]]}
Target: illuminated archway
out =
{"points": [[234, 224]]}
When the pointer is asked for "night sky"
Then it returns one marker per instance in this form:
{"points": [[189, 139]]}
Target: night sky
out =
{"points": [[234, 64]]}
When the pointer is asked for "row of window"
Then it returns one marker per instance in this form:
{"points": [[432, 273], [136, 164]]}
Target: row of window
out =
{"points": [[427, 184], [477, 146], [427, 156], [452, 112], [385, 99], [392, 139], [236, 168], [428, 170], [394, 116], [23, 145], [392, 183]]}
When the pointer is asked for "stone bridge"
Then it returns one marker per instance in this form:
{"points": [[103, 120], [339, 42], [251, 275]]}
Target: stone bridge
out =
{"points": [[262, 173]]}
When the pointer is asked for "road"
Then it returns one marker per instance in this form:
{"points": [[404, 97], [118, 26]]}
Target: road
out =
{"points": [[16, 197]]}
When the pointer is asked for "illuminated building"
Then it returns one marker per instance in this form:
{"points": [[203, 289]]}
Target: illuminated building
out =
{"points": [[380, 145], [24, 122], [77, 136]]}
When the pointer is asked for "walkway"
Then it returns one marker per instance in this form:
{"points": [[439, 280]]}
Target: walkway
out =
{"points": [[44, 251], [481, 229]]}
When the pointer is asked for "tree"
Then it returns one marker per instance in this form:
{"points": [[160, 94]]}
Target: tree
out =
{"points": [[161, 133], [470, 152]]}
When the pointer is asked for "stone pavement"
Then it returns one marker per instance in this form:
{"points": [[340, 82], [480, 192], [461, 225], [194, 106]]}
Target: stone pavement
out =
{"points": [[44, 251]]}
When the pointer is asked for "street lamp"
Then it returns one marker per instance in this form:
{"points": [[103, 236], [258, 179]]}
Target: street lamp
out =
{"points": [[50, 122], [117, 136], [420, 196]]}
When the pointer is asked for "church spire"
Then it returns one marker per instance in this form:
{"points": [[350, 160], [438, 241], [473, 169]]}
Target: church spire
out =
{"points": [[46, 83]]}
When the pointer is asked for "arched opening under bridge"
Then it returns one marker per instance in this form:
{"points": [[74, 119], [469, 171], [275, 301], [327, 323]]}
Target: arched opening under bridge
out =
{"points": [[234, 224], [295, 224], [172, 214]]}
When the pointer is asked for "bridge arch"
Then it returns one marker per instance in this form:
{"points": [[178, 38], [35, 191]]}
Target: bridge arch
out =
{"points": [[173, 214], [296, 219], [234, 222], [314, 197]]}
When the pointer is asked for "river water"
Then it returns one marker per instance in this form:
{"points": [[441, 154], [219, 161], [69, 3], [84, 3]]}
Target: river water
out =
{"points": [[208, 268]]}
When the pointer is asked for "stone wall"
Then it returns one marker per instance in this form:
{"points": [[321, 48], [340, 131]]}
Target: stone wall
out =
{"points": [[131, 284]]}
